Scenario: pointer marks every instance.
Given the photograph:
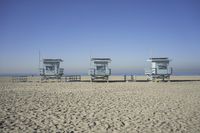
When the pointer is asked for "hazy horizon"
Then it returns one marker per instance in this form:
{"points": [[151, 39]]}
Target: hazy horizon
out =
{"points": [[128, 32]]}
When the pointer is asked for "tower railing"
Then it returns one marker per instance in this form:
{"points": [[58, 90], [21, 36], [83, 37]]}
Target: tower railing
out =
{"points": [[156, 71]]}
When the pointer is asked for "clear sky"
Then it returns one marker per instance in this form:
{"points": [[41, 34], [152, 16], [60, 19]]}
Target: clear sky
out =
{"points": [[128, 31]]}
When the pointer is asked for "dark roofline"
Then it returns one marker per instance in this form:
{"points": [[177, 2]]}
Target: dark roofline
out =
{"points": [[52, 60], [102, 59], [164, 58]]}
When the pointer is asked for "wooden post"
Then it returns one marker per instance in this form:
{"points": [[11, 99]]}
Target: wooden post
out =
{"points": [[124, 78], [107, 78], [132, 78]]}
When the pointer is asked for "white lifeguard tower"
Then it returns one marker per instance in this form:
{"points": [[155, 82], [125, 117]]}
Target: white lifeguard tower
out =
{"points": [[51, 69], [158, 68], [100, 68]]}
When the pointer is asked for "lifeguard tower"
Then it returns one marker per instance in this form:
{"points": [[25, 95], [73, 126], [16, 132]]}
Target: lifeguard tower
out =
{"points": [[158, 68], [51, 69], [100, 68]]}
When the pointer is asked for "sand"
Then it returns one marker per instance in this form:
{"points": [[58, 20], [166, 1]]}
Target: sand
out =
{"points": [[143, 107]]}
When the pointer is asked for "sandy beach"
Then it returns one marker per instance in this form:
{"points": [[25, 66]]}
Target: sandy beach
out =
{"points": [[143, 107]]}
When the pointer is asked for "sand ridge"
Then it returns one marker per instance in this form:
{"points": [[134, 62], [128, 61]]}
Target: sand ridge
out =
{"points": [[100, 107]]}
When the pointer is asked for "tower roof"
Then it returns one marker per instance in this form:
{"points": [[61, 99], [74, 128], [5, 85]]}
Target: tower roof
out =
{"points": [[163, 59], [52, 60], [100, 59]]}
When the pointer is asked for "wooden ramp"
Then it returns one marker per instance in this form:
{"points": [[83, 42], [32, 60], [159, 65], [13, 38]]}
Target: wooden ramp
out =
{"points": [[73, 78]]}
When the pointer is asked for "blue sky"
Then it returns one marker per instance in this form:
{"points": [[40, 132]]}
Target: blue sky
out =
{"points": [[128, 31]]}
